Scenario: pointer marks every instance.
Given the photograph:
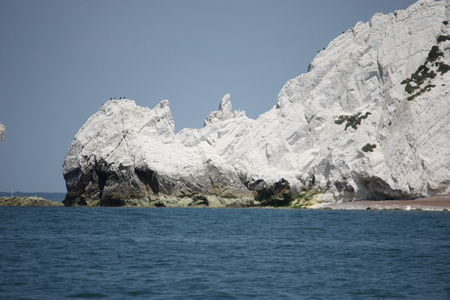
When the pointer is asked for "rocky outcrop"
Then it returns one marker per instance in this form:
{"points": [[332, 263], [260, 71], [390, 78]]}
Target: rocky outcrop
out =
{"points": [[370, 120], [130, 155], [2, 131], [27, 201]]}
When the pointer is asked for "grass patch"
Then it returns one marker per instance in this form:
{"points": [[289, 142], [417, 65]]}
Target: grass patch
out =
{"points": [[303, 199]]}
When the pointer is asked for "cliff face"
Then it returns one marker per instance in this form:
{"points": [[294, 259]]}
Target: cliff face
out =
{"points": [[370, 120], [125, 152], [2, 131]]}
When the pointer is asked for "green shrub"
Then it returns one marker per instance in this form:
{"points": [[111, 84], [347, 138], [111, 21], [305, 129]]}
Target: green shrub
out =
{"points": [[424, 73], [368, 147], [443, 68], [412, 97], [410, 89], [353, 120], [434, 54], [427, 88], [443, 38]]}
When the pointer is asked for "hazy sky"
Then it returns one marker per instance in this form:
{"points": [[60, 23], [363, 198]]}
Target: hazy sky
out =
{"points": [[60, 60]]}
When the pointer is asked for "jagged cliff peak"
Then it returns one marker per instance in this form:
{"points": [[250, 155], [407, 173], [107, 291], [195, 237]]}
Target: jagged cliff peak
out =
{"points": [[224, 113], [369, 120]]}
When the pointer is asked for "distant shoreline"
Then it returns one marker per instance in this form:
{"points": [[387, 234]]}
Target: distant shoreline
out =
{"points": [[28, 201], [435, 203], [52, 196]]}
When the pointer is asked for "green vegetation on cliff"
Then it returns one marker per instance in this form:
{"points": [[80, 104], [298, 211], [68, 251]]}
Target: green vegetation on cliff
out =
{"points": [[368, 147], [353, 120], [425, 73]]}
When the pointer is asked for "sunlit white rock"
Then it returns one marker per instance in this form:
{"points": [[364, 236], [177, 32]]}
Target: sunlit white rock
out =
{"points": [[2, 131], [125, 149]]}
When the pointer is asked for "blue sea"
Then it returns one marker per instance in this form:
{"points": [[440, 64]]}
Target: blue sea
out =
{"points": [[198, 253]]}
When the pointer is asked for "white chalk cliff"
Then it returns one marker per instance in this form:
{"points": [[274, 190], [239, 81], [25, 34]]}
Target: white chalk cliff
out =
{"points": [[370, 120], [2, 131]]}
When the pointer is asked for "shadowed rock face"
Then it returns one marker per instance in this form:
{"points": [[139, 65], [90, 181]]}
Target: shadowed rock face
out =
{"points": [[368, 121]]}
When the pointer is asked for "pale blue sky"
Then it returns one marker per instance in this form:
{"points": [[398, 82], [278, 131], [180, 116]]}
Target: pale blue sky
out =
{"points": [[60, 60]]}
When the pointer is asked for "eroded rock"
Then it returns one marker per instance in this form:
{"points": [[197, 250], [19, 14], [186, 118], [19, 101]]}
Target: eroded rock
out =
{"points": [[393, 147]]}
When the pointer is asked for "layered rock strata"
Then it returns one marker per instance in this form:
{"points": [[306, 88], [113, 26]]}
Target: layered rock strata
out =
{"points": [[370, 120]]}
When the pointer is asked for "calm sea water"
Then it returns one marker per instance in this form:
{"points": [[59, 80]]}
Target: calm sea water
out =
{"points": [[175, 253]]}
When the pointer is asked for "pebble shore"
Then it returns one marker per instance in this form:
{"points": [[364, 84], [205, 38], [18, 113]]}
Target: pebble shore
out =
{"points": [[435, 203]]}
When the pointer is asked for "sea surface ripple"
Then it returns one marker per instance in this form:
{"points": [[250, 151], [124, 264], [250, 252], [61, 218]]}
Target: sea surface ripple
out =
{"points": [[178, 253]]}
